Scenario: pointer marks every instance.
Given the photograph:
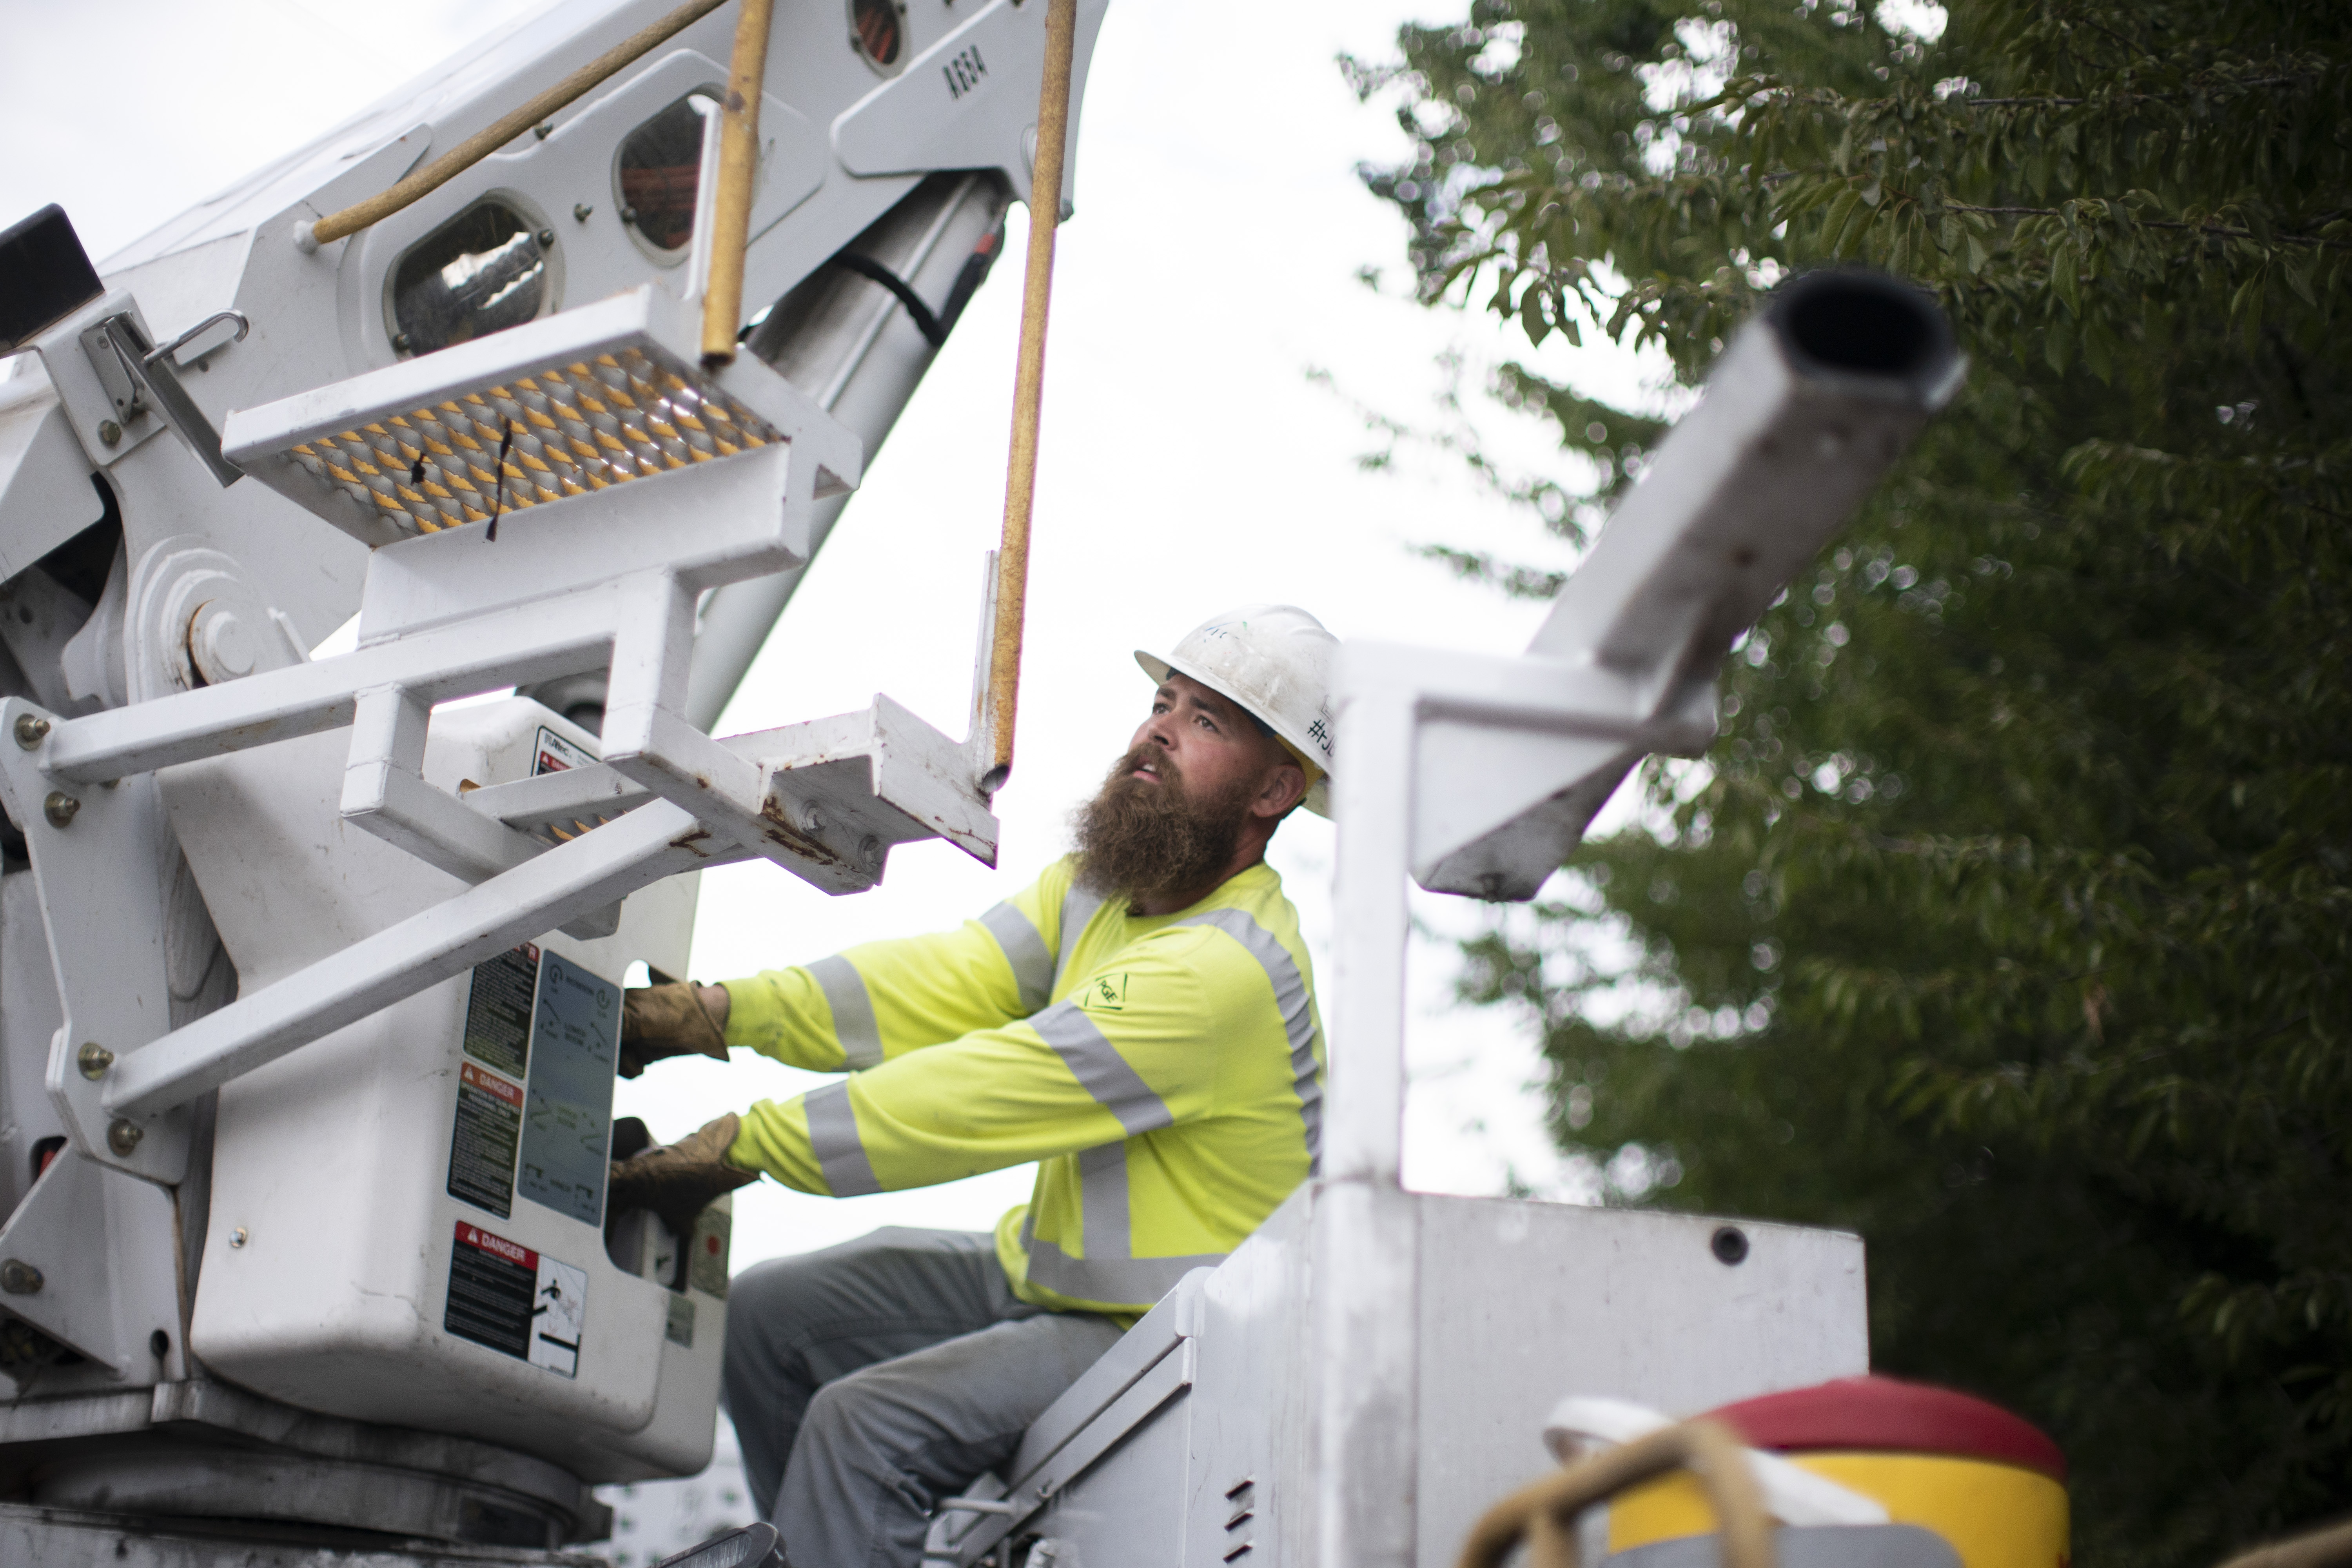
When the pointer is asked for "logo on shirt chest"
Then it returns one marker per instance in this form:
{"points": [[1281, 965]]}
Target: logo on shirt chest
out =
{"points": [[1103, 994]]}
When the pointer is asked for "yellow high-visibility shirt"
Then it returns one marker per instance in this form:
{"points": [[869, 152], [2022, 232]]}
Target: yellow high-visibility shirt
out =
{"points": [[1165, 1071]]}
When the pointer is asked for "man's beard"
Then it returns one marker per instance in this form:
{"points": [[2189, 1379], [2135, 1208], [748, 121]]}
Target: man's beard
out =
{"points": [[1145, 840]]}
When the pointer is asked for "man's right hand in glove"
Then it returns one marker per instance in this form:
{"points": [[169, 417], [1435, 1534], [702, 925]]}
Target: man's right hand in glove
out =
{"points": [[677, 1019], [679, 1180]]}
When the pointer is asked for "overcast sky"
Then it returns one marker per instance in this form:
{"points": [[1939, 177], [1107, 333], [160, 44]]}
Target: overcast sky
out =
{"points": [[1193, 461]]}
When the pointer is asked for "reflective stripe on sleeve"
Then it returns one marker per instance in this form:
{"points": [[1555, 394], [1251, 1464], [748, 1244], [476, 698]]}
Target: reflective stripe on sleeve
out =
{"points": [[1102, 1200], [852, 1012], [1100, 1070], [833, 1139], [1078, 906], [1119, 1280], [1024, 949], [1297, 1015]]}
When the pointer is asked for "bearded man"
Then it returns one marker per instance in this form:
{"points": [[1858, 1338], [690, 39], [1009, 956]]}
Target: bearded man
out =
{"points": [[1140, 1021]]}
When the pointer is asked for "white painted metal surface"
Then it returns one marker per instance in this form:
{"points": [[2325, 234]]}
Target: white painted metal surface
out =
{"points": [[259, 883], [1193, 1439]]}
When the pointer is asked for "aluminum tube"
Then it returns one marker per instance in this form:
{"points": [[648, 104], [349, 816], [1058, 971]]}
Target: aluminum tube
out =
{"points": [[1801, 420], [656, 840], [1802, 416]]}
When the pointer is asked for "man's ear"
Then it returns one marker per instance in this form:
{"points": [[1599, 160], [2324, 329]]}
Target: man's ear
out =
{"points": [[1283, 787]]}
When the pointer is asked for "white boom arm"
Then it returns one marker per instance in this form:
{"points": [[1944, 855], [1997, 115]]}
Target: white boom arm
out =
{"points": [[256, 925]]}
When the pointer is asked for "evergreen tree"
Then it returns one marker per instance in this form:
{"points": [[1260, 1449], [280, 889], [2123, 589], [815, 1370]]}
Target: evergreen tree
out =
{"points": [[2009, 920]]}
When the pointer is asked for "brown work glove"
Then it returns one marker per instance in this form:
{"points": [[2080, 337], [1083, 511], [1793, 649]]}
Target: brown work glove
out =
{"points": [[677, 1181], [670, 1020]]}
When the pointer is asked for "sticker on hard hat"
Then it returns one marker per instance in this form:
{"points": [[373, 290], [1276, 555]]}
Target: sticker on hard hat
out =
{"points": [[510, 1298]]}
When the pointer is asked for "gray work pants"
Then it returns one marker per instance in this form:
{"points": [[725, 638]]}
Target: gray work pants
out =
{"points": [[870, 1380]]}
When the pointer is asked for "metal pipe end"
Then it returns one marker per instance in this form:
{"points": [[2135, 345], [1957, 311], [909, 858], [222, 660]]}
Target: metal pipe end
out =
{"points": [[1868, 332]]}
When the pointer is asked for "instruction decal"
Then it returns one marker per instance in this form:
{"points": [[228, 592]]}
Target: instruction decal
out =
{"points": [[575, 1032], [551, 754], [519, 1303], [498, 1010], [482, 1145]]}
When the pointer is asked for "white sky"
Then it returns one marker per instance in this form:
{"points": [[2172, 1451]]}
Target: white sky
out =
{"points": [[1189, 464]]}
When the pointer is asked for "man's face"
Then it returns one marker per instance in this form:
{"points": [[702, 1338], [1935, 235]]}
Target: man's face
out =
{"points": [[1201, 739], [1171, 818]]}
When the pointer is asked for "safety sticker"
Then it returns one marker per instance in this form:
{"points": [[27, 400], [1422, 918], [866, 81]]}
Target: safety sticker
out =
{"points": [[482, 1146], [706, 1255], [575, 1036], [498, 1010], [554, 754], [517, 1301]]}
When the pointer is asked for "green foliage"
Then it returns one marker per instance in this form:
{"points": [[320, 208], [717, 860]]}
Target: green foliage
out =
{"points": [[2011, 918]]}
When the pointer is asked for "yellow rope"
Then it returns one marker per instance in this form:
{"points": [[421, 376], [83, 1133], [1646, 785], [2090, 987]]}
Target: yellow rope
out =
{"points": [[1029, 384], [475, 148], [2328, 1548], [1543, 1514], [739, 169]]}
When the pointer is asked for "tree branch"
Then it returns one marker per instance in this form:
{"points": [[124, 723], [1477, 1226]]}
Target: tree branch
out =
{"points": [[2222, 230]]}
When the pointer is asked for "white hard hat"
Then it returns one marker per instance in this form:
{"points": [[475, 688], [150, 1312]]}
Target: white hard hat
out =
{"points": [[1275, 661]]}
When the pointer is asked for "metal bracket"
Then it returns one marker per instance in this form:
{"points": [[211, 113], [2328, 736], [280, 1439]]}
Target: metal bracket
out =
{"points": [[137, 375], [100, 859], [91, 1255]]}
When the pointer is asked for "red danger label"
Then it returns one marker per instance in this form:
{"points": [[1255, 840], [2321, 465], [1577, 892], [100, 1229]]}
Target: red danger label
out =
{"points": [[492, 1084], [514, 1252]]}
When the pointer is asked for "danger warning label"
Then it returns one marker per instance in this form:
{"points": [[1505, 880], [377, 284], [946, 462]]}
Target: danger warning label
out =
{"points": [[505, 1296], [482, 1147]]}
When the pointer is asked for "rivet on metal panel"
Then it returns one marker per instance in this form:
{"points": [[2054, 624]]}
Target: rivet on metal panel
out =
{"points": [[31, 729], [580, 211], [237, 1237], [122, 1136], [59, 808], [110, 432], [543, 131], [546, 238], [1729, 1245], [20, 1278], [93, 1059]]}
